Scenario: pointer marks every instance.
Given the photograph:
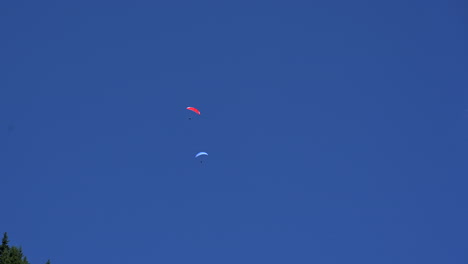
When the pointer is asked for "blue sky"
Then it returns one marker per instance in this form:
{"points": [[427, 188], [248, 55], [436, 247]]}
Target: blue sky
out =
{"points": [[337, 131]]}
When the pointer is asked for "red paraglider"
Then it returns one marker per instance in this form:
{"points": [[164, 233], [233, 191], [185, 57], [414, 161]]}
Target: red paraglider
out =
{"points": [[193, 109]]}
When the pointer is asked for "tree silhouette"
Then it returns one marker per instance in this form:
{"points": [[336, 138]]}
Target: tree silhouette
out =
{"points": [[12, 255]]}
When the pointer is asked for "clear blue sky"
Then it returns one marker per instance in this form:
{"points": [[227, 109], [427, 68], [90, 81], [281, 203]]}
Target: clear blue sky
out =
{"points": [[337, 131]]}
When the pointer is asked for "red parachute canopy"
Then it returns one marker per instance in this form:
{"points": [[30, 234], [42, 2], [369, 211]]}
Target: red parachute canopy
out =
{"points": [[193, 109]]}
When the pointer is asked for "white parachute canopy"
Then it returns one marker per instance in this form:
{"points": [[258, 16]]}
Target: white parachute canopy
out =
{"points": [[201, 154]]}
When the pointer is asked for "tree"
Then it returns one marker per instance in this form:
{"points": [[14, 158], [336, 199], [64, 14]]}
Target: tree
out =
{"points": [[12, 255], [4, 245], [16, 256]]}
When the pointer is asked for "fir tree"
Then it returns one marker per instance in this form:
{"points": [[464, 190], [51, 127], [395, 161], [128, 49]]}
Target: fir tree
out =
{"points": [[4, 245], [12, 255]]}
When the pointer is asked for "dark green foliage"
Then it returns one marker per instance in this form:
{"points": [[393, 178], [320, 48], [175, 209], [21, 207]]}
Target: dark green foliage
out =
{"points": [[12, 255], [16, 256], [4, 245]]}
